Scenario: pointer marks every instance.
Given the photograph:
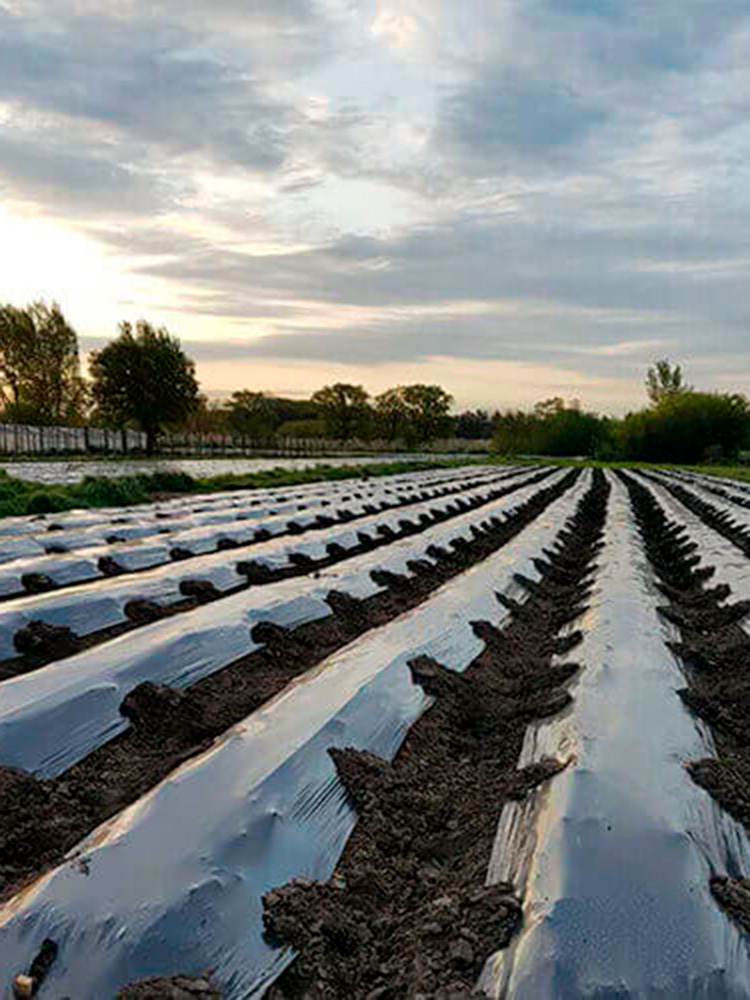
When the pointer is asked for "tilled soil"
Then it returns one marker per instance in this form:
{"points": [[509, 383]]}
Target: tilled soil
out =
{"points": [[716, 653], [41, 820], [407, 912], [39, 643]]}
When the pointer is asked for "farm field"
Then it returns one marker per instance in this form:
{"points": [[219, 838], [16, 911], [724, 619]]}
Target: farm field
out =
{"points": [[467, 731]]}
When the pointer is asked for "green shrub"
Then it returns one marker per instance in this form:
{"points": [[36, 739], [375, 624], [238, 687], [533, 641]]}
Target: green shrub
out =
{"points": [[48, 502], [687, 428]]}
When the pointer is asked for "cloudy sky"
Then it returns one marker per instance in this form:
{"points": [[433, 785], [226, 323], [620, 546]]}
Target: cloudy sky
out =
{"points": [[514, 198]]}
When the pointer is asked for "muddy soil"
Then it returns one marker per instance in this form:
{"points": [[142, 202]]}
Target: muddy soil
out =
{"points": [[716, 653], [39, 643], [407, 912], [40, 821]]}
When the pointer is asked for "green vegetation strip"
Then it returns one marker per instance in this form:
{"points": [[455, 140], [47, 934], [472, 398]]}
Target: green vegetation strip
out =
{"points": [[18, 496]]}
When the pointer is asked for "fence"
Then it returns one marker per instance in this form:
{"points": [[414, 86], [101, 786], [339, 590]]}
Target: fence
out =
{"points": [[19, 439]]}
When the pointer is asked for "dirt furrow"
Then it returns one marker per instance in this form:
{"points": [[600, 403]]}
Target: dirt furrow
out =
{"points": [[407, 912], [715, 650], [41, 820]]}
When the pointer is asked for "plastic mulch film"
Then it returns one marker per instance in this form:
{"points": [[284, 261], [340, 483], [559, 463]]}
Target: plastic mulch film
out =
{"points": [[614, 856], [175, 882], [54, 716]]}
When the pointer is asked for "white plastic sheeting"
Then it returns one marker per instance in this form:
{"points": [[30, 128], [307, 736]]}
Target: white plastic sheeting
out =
{"points": [[53, 717], [732, 566], [175, 882], [101, 604], [247, 498], [198, 527], [739, 514], [733, 486], [84, 565], [614, 855]]}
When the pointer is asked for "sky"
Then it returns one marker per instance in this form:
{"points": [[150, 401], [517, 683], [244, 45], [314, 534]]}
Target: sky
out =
{"points": [[515, 199]]}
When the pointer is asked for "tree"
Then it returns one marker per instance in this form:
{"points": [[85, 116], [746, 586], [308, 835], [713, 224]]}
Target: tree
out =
{"points": [[252, 414], [39, 364], [16, 334], [427, 408], [208, 417], [391, 414], [144, 377], [514, 432], [415, 413], [664, 381], [687, 427], [345, 408], [547, 408], [473, 425], [552, 428]]}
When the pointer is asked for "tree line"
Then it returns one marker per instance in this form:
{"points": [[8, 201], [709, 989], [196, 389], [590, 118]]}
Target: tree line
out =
{"points": [[680, 424], [144, 380]]}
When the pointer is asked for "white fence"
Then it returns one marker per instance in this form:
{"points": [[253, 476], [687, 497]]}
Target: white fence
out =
{"points": [[19, 439]]}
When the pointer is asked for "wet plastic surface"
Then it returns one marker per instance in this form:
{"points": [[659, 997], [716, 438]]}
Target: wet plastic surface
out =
{"points": [[75, 470], [614, 855], [52, 717], [202, 525], [739, 514], [174, 884]]}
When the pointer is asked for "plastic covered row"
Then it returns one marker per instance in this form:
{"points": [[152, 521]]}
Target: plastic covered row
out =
{"points": [[102, 603], [174, 883], [146, 522], [54, 716], [613, 857], [48, 572]]}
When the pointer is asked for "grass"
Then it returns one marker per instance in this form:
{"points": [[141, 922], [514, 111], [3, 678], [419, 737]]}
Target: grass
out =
{"points": [[18, 496]]}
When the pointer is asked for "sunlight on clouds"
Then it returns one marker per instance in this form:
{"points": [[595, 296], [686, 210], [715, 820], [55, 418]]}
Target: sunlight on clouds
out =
{"points": [[49, 260], [389, 182], [394, 28], [55, 262]]}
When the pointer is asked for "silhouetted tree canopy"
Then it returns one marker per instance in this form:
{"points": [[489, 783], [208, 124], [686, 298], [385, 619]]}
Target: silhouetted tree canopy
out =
{"points": [[253, 414], [664, 381], [40, 374], [415, 414], [687, 427], [345, 409], [144, 377], [551, 429]]}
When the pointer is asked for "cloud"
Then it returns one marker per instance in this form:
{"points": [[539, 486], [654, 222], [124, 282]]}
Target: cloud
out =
{"points": [[499, 121], [546, 182]]}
